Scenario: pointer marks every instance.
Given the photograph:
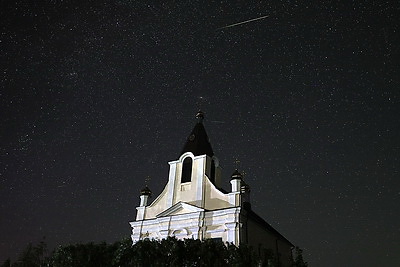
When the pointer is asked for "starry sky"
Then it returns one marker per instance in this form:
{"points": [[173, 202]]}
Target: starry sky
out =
{"points": [[97, 96]]}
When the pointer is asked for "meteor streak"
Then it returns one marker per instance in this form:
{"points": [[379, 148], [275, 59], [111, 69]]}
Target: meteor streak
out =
{"points": [[243, 22]]}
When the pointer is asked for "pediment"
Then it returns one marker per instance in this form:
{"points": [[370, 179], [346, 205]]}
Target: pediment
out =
{"points": [[179, 208]]}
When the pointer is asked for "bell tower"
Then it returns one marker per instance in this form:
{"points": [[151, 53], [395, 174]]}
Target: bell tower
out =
{"points": [[193, 204]]}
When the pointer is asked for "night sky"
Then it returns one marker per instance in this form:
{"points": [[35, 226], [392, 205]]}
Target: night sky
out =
{"points": [[97, 96]]}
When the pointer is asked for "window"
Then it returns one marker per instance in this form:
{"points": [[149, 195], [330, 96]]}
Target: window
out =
{"points": [[187, 170]]}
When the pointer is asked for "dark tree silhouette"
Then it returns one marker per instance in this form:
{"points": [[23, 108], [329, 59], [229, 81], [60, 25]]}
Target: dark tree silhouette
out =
{"points": [[299, 261], [32, 256], [7, 263], [165, 252], [84, 255]]}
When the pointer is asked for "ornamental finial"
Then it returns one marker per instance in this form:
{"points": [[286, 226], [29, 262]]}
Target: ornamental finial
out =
{"points": [[200, 116]]}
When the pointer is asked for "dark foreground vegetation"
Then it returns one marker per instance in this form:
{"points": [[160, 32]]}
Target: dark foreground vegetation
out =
{"points": [[168, 252]]}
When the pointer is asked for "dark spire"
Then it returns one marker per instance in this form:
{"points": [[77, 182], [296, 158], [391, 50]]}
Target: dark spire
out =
{"points": [[198, 142]]}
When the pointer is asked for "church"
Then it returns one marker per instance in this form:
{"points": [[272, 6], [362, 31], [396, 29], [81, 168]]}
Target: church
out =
{"points": [[194, 205]]}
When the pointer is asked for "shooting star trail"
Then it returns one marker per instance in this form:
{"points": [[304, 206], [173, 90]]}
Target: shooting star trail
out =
{"points": [[243, 22]]}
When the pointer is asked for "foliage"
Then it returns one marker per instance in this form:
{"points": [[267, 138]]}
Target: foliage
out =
{"points": [[299, 261], [123, 254], [7, 263], [84, 255], [165, 252], [32, 256]]}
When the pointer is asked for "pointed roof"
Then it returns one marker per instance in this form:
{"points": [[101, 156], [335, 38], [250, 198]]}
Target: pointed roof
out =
{"points": [[236, 175], [145, 191], [197, 141]]}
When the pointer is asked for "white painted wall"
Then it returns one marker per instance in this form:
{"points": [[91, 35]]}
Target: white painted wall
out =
{"points": [[198, 209]]}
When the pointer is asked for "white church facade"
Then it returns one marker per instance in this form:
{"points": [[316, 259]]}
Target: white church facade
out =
{"points": [[194, 205]]}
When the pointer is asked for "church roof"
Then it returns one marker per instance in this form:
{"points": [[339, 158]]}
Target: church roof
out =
{"points": [[197, 141], [256, 218]]}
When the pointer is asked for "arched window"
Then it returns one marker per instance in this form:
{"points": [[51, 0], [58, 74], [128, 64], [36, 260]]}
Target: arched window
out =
{"points": [[212, 175], [187, 170]]}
